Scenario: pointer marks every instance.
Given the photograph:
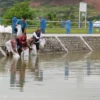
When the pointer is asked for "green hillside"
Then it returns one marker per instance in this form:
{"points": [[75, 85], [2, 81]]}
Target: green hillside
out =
{"points": [[50, 12], [7, 3], [4, 4]]}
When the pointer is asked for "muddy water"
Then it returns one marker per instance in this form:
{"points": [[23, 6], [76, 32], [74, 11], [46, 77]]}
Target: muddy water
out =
{"points": [[73, 76]]}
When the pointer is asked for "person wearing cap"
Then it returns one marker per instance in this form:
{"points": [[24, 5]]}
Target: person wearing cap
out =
{"points": [[23, 24]]}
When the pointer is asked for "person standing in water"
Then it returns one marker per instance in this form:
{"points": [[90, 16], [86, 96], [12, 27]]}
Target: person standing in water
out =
{"points": [[11, 47], [37, 35], [22, 43]]}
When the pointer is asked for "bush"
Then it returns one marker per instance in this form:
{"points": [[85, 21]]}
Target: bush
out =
{"points": [[18, 10]]}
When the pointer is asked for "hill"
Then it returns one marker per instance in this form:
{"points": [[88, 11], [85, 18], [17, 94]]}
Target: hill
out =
{"points": [[61, 6], [35, 3], [4, 4], [7, 3], [53, 2], [94, 3]]}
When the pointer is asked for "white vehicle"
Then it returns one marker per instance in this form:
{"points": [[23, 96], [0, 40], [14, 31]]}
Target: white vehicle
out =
{"points": [[96, 24]]}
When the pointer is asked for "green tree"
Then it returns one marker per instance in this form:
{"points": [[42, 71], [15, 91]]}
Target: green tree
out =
{"points": [[19, 10], [51, 16]]}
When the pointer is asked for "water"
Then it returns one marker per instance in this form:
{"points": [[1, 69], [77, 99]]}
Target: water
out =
{"points": [[73, 76]]}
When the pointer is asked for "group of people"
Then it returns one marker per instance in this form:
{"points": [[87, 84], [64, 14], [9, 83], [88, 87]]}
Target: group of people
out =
{"points": [[20, 43]]}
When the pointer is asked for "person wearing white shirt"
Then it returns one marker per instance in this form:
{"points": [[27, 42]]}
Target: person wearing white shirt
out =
{"points": [[37, 35]]}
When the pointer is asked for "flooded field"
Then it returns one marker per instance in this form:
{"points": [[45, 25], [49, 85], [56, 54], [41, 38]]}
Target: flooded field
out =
{"points": [[72, 76]]}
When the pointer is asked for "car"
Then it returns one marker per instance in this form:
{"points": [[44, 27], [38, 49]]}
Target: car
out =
{"points": [[96, 24]]}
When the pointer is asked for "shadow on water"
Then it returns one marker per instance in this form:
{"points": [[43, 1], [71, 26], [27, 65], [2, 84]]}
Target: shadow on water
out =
{"points": [[50, 67]]}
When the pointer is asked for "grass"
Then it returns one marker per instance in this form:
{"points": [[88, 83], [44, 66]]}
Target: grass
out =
{"points": [[63, 31]]}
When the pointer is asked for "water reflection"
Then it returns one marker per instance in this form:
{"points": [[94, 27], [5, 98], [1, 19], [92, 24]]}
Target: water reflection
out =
{"points": [[36, 70], [34, 64], [48, 68], [88, 67], [66, 71], [13, 73], [17, 73], [18, 69]]}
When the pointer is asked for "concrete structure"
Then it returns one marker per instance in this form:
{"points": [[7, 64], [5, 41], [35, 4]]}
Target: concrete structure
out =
{"points": [[3, 38], [62, 42], [71, 43]]}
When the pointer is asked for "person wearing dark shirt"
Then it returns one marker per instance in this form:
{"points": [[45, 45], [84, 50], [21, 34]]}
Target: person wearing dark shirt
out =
{"points": [[19, 46]]}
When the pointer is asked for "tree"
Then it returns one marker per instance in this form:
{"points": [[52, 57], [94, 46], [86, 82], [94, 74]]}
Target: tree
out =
{"points": [[19, 10], [51, 16]]}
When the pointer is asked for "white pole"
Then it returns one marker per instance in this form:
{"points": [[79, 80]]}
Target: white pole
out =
{"points": [[85, 19], [79, 18]]}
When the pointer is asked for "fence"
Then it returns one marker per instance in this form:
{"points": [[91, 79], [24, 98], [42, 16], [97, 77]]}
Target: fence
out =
{"points": [[59, 26]]}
